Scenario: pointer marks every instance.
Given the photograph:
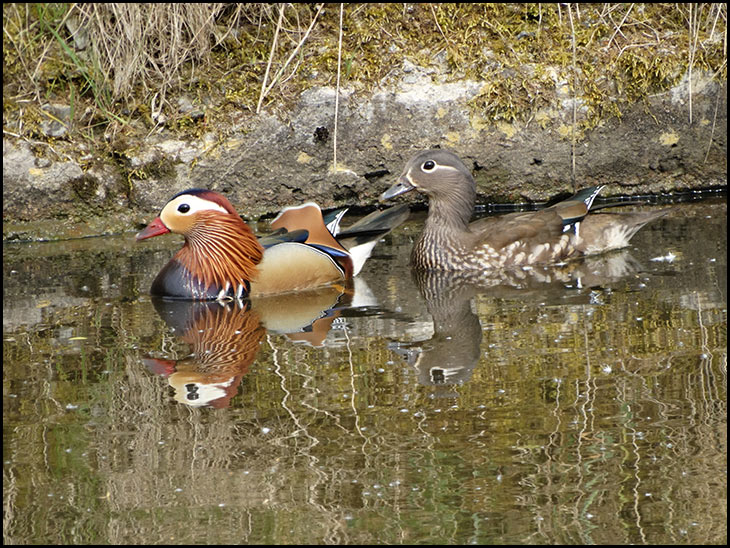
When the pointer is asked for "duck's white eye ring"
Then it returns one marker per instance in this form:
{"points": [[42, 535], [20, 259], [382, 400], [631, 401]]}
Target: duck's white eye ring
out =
{"points": [[428, 165]]}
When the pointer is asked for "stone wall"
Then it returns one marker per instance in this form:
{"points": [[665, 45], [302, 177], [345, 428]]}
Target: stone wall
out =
{"points": [[268, 161]]}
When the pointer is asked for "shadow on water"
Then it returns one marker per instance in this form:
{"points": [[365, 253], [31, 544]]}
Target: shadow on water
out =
{"points": [[581, 404]]}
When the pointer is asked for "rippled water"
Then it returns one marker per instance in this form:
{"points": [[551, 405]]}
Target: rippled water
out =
{"points": [[590, 408]]}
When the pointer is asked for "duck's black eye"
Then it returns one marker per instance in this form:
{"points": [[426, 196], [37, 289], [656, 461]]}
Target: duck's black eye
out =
{"points": [[428, 165], [183, 208]]}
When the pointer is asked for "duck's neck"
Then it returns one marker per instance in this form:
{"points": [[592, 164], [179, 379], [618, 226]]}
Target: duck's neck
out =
{"points": [[445, 232], [452, 212]]}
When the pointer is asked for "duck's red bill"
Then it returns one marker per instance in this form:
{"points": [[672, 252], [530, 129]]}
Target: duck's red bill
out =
{"points": [[155, 228], [159, 366]]}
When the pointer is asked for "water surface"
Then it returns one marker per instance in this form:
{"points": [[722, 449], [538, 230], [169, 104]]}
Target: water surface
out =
{"points": [[585, 405]]}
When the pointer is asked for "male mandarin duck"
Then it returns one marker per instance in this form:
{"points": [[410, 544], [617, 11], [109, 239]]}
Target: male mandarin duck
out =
{"points": [[449, 242], [223, 259]]}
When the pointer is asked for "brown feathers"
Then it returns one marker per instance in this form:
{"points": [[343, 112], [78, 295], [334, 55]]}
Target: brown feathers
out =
{"points": [[551, 235], [221, 251]]}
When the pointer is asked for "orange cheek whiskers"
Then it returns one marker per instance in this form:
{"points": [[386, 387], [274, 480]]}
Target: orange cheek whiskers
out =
{"points": [[221, 252]]}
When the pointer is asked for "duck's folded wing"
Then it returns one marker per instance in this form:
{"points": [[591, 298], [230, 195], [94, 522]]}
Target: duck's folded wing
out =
{"points": [[544, 235], [523, 229], [282, 236], [293, 266]]}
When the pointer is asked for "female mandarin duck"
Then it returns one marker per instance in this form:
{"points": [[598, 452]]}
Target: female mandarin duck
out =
{"points": [[223, 259], [551, 235]]}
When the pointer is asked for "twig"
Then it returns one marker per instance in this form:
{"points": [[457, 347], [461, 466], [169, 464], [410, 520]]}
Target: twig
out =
{"points": [[433, 12], [714, 23], [691, 62], [271, 58], [694, 28], [337, 92], [618, 28], [575, 100], [712, 131], [265, 90]]}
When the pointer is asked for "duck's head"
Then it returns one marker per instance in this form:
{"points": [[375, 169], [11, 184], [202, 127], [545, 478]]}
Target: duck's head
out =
{"points": [[191, 213], [220, 254], [442, 177]]}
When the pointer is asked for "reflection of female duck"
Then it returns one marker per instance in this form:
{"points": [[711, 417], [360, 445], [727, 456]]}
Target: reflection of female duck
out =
{"points": [[451, 354]]}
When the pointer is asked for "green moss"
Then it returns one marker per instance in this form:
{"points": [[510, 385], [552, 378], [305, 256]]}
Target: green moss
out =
{"points": [[161, 169]]}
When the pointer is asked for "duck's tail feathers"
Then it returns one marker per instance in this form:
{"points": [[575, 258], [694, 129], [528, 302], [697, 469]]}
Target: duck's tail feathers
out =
{"points": [[607, 231], [360, 238]]}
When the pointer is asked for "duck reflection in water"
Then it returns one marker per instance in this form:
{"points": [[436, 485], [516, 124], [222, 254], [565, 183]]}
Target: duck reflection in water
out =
{"points": [[450, 356], [224, 338]]}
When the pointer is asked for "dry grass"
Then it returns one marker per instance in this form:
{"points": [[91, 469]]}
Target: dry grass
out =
{"points": [[119, 45]]}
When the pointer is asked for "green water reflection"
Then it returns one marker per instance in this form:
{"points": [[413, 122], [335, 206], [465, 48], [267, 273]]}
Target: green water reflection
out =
{"points": [[591, 409]]}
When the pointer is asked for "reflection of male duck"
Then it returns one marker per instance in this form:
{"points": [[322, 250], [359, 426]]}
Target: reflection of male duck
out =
{"points": [[223, 261], [308, 316], [225, 337]]}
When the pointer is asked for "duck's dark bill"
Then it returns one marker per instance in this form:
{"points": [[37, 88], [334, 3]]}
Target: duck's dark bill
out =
{"points": [[401, 187]]}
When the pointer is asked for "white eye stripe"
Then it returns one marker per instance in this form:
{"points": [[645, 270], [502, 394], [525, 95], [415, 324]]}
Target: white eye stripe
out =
{"points": [[194, 205]]}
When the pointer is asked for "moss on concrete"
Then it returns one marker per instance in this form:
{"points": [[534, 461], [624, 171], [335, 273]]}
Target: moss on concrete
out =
{"points": [[529, 56]]}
